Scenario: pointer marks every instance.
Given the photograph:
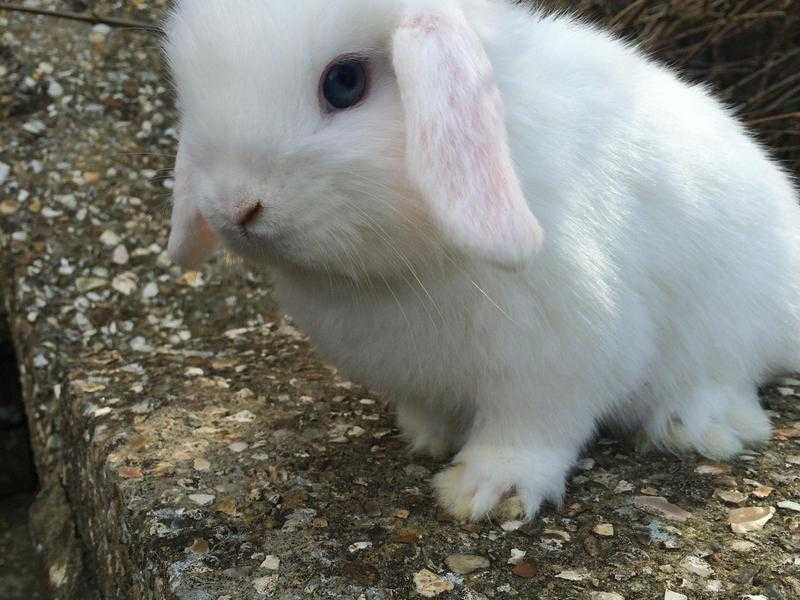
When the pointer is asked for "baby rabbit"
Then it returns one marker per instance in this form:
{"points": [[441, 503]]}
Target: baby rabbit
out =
{"points": [[512, 224]]}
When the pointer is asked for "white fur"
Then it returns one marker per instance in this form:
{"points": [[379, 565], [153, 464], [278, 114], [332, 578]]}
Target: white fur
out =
{"points": [[667, 288]]}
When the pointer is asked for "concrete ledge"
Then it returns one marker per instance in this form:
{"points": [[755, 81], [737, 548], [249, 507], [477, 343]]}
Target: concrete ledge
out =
{"points": [[192, 447]]}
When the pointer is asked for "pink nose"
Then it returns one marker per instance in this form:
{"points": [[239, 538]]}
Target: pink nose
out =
{"points": [[246, 213]]}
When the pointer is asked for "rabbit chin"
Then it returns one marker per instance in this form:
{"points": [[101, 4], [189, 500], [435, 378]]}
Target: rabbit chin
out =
{"points": [[285, 252], [263, 249]]}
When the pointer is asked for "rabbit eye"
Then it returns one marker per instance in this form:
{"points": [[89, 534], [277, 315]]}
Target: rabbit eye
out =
{"points": [[345, 83]]}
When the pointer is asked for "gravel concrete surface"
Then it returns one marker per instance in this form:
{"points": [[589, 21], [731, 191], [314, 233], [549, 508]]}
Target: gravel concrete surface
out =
{"points": [[191, 446]]}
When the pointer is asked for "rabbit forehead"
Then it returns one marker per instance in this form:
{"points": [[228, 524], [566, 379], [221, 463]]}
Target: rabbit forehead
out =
{"points": [[264, 41], [252, 67], [294, 23]]}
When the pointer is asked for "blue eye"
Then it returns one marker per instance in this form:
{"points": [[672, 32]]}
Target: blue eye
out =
{"points": [[344, 83]]}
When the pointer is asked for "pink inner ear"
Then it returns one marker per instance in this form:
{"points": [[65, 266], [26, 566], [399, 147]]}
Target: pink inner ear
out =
{"points": [[458, 150]]}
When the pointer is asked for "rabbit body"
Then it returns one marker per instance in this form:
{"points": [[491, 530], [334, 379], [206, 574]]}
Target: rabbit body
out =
{"points": [[667, 287]]}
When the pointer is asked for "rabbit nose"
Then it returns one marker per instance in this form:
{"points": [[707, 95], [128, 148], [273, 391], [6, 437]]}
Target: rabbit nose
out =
{"points": [[246, 213]]}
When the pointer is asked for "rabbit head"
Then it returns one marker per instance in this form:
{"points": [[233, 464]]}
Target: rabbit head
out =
{"points": [[341, 135]]}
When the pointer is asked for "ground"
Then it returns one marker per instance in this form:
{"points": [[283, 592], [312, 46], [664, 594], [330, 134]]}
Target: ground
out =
{"points": [[20, 576], [190, 445]]}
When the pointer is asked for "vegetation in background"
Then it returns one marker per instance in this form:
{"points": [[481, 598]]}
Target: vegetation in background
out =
{"points": [[748, 50]]}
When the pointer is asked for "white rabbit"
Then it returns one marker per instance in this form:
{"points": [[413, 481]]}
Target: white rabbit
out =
{"points": [[514, 225]]}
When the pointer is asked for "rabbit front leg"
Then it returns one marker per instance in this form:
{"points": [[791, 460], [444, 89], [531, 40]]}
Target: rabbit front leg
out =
{"points": [[432, 432], [515, 446]]}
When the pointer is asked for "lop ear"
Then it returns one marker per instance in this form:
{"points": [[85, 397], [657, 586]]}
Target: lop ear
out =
{"points": [[192, 241], [457, 146]]}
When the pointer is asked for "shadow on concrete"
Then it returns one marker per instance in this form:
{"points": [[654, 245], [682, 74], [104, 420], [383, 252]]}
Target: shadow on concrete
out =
{"points": [[21, 573]]}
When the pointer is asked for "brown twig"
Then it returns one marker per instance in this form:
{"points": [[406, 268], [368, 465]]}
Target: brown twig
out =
{"points": [[84, 17], [772, 118]]}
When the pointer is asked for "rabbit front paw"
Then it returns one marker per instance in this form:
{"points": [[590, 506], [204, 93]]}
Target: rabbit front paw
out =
{"points": [[490, 485]]}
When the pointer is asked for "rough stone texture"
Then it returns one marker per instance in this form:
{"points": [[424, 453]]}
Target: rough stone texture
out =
{"points": [[52, 525], [185, 432]]}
